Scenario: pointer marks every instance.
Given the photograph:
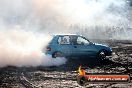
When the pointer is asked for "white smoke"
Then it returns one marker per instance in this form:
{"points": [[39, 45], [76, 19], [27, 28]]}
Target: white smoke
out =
{"points": [[22, 40], [24, 48], [58, 14], [84, 12], [94, 12]]}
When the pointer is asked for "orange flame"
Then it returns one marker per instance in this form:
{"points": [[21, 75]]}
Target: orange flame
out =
{"points": [[81, 71]]}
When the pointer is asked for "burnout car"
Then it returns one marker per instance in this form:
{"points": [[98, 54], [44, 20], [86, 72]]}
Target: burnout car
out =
{"points": [[73, 45]]}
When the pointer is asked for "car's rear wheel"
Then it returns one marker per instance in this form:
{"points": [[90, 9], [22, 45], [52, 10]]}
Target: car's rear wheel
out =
{"points": [[57, 54], [102, 55]]}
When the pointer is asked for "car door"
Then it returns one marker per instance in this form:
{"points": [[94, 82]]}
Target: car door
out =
{"points": [[83, 47], [65, 45]]}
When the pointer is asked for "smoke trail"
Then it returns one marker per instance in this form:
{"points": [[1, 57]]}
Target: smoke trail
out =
{"points": [[24, 48], [22, 40]]}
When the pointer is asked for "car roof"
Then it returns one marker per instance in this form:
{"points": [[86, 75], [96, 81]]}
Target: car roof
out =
{"points": [[67, 35]]}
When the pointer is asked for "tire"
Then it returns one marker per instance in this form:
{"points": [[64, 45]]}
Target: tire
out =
{"points": [[102, 54], [81, 80], [57, 54]]}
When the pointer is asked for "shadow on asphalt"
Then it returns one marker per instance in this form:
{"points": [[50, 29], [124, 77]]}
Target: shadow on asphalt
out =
{"points": [[73, 64]]}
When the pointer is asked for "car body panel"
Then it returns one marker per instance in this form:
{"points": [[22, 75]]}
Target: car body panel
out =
{"points": [[84, 50], [72, 49]]}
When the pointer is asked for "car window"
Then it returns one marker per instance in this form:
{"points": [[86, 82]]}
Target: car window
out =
{"points": [[82, 41], [64, 40], [74, 40]]}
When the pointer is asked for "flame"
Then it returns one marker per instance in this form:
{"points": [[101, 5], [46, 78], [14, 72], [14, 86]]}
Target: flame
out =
{"points": [[81, 71]]}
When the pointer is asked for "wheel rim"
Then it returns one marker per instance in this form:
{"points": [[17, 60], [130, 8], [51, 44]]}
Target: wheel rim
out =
{"points": [[102, 55], [58, 54], [82, 81]]}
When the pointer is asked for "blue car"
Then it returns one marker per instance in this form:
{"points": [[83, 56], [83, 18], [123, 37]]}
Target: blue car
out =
{"points": [[73, 45]]}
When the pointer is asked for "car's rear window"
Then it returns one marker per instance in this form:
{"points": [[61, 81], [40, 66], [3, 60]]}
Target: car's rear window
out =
{"points": [[64, 40]]}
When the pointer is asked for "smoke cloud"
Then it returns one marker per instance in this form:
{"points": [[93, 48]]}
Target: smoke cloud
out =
{"points": [[56, 15], [23, 48], [25, 26]]}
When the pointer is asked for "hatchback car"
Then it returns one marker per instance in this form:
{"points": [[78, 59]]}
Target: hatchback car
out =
{"points": [[73, 45]]}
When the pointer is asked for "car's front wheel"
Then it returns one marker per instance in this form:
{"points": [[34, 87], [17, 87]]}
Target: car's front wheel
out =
{"points": [[57, 54], [102, 54]]}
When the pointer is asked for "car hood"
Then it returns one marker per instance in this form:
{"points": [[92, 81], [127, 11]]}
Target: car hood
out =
{"points": [[100, 44]]}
